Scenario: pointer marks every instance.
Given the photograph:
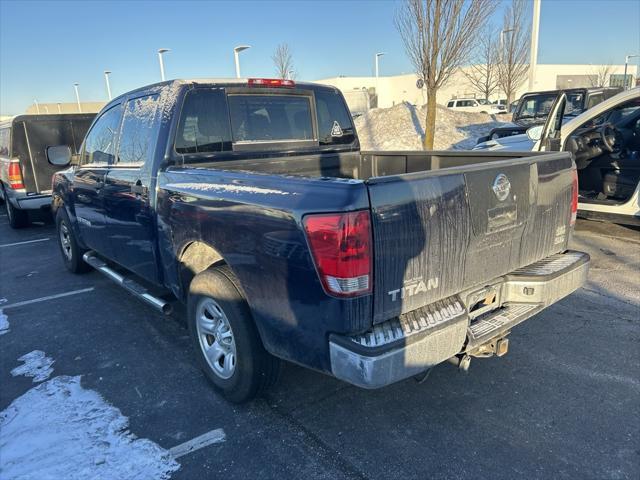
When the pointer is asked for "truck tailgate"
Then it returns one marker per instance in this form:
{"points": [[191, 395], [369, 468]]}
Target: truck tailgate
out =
{"points": [[437, 233]]}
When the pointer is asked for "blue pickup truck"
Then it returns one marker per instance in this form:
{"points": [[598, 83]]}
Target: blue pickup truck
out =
{"points": [[251, 202]]}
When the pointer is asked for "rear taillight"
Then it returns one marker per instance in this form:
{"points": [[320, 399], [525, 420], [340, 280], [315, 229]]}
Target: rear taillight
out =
{"points": [[271, 82], [15, 176], [574, 198], [342, 251]]}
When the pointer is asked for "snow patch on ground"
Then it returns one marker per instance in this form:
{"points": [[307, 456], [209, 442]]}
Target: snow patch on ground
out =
{"points": [[61, 430], [4, 323], [401, 127], [36, 365]]}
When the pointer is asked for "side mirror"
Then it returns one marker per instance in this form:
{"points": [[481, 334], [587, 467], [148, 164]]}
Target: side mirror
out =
{"points": [[534, 133], [59, 155]]}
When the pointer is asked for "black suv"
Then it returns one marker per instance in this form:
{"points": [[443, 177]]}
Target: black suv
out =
{"points": [[533, 108]]}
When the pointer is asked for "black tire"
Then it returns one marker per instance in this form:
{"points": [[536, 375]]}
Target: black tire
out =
{"points": [[255, 369], [17, 218], [71, 253]]}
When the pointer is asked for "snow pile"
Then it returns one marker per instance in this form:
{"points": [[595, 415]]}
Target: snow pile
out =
{"points": [[401, 127], [4, 323], [60, 430], [36, 365]]}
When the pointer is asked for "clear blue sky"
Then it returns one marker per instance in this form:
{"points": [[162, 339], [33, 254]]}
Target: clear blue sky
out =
{"points": [[46, 46]]}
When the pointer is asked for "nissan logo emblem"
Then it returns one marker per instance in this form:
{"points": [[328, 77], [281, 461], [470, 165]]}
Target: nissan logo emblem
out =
{"points": [[501, 187]]}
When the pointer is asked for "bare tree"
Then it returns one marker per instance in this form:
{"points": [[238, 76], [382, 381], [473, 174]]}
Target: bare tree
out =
{"points": [[482, 74], [515, 39], [599, 76], [283, 60], [439, 36]]}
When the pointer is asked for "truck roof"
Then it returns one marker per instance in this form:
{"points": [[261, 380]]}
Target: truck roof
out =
{"points": [[569, 90], [212, 81]]}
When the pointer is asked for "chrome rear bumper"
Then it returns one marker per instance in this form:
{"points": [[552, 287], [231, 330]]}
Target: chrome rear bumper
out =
{"points": [[418, 340]]}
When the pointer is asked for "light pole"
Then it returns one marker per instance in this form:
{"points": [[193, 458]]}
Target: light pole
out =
{"points": [[75, 86], [37, 106], [290, 75], [59, 108], [626, 63], [106, 80], [160, 52], [378, 55], [533, 55], [236, 57]]}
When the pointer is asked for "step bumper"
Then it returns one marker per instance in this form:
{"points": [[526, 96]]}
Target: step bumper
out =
{"points": [[416, 341]]}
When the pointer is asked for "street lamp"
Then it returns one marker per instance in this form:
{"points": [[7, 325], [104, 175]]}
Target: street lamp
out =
{"points": [[502, 37], [106, 80], [378, 55], [236, 51], [37, 106], [75, 86], [290, 75], [626, 63], [160, 52]]}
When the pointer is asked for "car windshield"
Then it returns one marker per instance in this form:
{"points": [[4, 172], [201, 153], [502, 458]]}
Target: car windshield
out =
{"points": [[617, 116], [539, 106]]}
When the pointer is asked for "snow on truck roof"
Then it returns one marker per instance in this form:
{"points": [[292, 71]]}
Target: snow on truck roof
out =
{"points": [[170, 88]]}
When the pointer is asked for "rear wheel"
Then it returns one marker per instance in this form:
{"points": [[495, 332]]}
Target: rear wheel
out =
{"points": [[17, 218], [71, 251], [225, 338]]}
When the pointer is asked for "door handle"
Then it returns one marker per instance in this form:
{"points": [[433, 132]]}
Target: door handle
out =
{"points": [[137, 188]]}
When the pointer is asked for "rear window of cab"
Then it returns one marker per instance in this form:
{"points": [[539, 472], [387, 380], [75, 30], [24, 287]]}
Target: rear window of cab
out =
{"points": [[213, 121]]}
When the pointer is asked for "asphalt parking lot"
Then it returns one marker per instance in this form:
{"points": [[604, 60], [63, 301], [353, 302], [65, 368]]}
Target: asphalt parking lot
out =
{"points": [[564, 403]]}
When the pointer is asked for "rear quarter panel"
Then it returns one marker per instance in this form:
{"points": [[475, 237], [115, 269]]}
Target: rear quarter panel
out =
{"points": [[255, 222]]}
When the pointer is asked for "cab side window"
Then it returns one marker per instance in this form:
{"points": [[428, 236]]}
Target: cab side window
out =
{"points": [[4, 141], [450, 104], [99, 146], [138, 130], [594, 100]]}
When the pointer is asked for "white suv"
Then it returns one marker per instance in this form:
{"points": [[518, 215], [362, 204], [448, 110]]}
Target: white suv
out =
{"points": [[475, 106]]}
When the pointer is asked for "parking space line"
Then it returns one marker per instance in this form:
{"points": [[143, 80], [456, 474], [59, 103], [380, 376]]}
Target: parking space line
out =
{"points": [[44, 299], [25, 242], [204, 440]]}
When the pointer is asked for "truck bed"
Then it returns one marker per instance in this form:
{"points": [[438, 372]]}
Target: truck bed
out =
{"points": [[438, 226], [365, 165]]}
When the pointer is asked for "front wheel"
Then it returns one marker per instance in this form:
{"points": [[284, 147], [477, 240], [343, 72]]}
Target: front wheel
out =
{"points": [[71, 251], [225, 338]]}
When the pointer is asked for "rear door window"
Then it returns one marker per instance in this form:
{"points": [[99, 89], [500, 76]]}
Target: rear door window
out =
{"points": [[270, 118], [99, 145], [138, 130]]}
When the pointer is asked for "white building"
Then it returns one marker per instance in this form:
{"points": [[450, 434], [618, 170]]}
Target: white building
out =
{"points": [[402, 88]]}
